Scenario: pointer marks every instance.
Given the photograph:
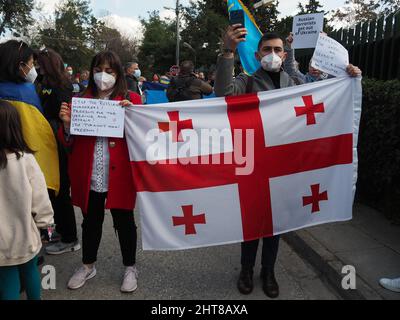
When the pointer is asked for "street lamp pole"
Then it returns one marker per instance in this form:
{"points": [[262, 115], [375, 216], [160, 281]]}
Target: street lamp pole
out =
{"points": [[177, 33]]}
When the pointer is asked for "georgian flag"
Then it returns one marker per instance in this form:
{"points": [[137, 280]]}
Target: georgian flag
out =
{"points": [[241, 168]]}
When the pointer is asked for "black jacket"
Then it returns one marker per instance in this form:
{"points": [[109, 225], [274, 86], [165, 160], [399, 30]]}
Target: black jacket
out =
{"points": [[51, 99], [187, 87], [133, 84]]}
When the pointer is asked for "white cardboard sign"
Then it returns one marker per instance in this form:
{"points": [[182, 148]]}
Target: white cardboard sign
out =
{"points": [[97, 118], [306, 29], [330, 56]]}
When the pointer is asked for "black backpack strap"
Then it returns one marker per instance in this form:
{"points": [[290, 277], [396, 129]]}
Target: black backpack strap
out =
{"points": [[249, 85]]}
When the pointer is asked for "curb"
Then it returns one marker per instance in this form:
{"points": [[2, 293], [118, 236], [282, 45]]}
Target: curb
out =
{"points": [[328, 266]]}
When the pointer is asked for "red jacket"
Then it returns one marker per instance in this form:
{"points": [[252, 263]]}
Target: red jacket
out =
{"points": [[121, 191]]}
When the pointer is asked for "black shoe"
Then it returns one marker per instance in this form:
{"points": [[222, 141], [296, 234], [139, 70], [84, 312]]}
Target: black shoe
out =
{"points": [[270, 286], [245, 282]]}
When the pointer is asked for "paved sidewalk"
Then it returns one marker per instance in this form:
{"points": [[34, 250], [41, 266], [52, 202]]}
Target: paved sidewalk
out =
{"points": [[309, 265], [200, 274], [369, 242]]}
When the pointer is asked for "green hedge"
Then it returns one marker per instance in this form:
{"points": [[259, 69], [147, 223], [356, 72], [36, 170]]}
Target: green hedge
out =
{"points": [[379, 147]]}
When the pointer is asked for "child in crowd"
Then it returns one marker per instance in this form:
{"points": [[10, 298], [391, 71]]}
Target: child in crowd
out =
{"points": [[24, 207]]}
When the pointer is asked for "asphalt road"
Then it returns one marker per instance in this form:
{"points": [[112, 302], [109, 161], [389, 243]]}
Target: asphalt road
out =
{"points": [[200, 274]]}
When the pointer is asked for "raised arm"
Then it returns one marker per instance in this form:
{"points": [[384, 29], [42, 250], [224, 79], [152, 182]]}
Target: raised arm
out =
{"points": [[225, 85], [289, 64]]}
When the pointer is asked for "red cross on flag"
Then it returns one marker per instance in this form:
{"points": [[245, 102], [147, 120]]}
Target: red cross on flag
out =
{"points": [[233, 169]]}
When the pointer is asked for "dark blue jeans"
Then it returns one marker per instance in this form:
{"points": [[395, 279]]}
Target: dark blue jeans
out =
{"points": [[64, 215]]}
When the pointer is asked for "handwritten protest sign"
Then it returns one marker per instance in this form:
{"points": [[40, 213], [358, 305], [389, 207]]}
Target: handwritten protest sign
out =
{"points": [[306, 29], [330, 57], [99, 118]]}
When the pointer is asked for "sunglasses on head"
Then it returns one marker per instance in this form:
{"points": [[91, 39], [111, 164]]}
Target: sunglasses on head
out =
{"points": [[45, 51], [20, 46]]}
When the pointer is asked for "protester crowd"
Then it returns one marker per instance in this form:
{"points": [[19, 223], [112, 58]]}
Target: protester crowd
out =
{"points": [[45, 171]]}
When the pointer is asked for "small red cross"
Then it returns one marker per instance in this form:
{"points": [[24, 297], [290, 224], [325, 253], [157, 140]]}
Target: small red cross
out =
{"points": [[176, 126], [189, 220], [310, 109], [315, 198]]}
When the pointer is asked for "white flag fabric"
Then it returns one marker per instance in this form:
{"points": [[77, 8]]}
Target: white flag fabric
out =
{"points": [[225, 170], [191, 215], [318, 196]]}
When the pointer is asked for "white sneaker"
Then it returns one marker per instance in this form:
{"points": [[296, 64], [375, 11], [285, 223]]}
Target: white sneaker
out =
{"points": [[391, 284], [130, 280], [80, 277]]}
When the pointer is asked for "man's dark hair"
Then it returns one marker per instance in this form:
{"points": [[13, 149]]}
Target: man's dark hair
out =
{"points": [[186, 67], [11, 137], [12, 54], [269, 36], [129, 64], [120, 88]]}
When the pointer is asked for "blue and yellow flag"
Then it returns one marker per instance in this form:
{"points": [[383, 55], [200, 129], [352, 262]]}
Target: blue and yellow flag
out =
{"points": [[147, 85], [248, 48], [37, 131]]}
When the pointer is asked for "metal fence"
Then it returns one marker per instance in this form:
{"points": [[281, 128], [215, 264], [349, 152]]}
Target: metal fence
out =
{"points": [[374, 46]]}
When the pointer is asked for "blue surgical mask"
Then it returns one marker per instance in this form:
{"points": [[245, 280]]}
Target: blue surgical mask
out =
{"points": [[137, 73]]}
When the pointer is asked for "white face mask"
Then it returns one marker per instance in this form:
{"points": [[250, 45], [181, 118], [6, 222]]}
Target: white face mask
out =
{"points": [[137, 73], [104, 81], [32, 75], [271, 62]]}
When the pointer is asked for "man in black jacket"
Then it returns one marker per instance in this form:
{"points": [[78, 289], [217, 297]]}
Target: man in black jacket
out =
{"points": [[133, 74], [186, 86]]}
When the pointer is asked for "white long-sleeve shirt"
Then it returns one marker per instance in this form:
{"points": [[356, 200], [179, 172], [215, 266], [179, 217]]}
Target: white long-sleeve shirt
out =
{"points": [[24, 207], [101, 166]]}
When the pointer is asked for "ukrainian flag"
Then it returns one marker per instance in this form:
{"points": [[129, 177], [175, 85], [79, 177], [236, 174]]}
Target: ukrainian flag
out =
{"points": [[37, 131], [248, 48]]}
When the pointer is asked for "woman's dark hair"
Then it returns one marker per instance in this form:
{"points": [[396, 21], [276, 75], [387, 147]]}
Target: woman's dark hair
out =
{"points": [[11, 137], [12, 54], [120, 88], [52, 69]]}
